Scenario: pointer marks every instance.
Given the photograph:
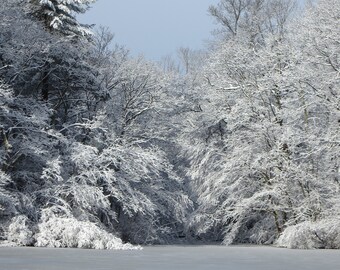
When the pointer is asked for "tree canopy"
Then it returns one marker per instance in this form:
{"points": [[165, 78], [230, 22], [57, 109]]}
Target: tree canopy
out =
{"points": [[237, 144]]}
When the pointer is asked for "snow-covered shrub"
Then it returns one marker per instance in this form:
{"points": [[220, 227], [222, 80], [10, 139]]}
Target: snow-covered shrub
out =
{"points": [[20, 231], [311, 235], [67, 232]]}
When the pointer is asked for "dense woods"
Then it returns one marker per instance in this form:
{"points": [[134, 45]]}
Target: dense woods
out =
{"points": [[238, 144]]}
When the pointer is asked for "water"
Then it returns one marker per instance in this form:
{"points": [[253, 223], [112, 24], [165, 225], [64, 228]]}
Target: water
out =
{"points": [[170, 258]]}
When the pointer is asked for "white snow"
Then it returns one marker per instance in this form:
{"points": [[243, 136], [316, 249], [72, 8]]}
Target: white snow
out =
{"points": [[169, 258]]}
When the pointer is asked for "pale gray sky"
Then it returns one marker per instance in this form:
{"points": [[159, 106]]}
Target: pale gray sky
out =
{"points": [[154, 28]]}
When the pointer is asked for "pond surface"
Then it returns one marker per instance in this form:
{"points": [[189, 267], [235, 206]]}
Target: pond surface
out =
{"points": [[170, 258]]}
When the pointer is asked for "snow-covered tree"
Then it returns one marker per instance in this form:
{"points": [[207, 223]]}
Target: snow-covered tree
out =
{"points": [[96, 145], [317, 84], [53, 68], [60, 15], [263, 166], [252, 19]]}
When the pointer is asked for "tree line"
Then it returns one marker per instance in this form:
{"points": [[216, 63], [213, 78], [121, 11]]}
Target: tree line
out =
{"points": [[240, 145]]}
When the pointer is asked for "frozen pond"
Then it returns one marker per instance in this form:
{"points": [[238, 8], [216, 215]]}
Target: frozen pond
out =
{"points": [[170, 258]]}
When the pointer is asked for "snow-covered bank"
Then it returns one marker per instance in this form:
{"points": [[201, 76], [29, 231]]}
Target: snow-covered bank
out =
{"points": [[63, 233], [170, 257], [311, 235]]}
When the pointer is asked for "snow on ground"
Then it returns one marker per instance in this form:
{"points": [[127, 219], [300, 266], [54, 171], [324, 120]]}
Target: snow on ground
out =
{"points": [[170, 258]]}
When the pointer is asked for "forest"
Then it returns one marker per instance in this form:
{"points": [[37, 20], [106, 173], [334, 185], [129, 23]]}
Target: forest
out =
{"points": [[238, 143]]}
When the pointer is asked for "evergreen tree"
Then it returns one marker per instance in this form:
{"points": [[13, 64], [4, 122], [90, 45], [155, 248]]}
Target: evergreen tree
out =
{"points": [[59, 15]]}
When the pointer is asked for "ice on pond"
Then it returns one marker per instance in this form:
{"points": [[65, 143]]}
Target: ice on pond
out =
{"points": [[170, 258]]}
